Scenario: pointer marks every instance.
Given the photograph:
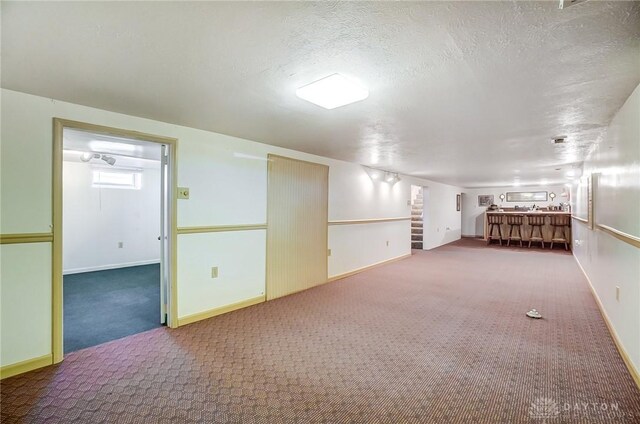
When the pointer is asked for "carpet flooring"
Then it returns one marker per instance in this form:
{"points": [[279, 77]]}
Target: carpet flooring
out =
{"points": [[107, 305], [440, 337]]}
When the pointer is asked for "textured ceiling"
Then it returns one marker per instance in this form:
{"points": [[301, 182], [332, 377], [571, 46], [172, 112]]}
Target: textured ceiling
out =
{"points": [[468, 93]]}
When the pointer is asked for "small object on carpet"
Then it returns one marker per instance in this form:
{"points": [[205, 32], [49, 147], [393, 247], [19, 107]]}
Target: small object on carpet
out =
{"points": [[534, 314]]}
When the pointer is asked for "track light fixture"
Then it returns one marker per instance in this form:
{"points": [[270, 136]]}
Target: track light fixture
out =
{"points": [[379, 175], [392, 177], [109, 159], [87, 156]]}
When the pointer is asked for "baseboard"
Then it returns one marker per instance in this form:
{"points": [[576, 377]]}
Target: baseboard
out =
{"points": [[472, 236], [25, 366], [444, 244], [220, 310], [365, 268], [106, 267], [635, 374]]}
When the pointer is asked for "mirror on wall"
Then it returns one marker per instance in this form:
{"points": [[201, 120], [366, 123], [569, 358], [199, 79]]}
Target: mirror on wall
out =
{"points": [[527, 196]]}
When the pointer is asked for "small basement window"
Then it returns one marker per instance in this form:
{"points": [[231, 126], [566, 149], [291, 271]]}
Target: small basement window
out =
{"points": [[117, 179]]}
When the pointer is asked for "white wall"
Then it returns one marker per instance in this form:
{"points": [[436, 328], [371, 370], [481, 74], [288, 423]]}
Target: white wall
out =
{"points": [[473, 215], [97, 219], [607, 261], [227, 178], [442, 224]]}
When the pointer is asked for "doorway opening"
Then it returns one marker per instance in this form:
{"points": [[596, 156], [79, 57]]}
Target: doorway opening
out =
{"points": [[114, 235], [417, 217]]}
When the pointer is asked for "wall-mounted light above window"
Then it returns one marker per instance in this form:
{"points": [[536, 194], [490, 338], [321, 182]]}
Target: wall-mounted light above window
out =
{"points": [[333, 91], [87, 156]]}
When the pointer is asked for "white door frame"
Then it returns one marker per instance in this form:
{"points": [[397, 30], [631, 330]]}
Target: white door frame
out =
{"points": [[56, 278]]}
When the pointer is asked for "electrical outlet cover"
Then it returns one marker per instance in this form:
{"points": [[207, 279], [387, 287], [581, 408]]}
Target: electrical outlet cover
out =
{"points": [[183, 193]]}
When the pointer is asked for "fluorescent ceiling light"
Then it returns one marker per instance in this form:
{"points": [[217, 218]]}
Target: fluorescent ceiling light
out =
{"points": [[111, 146], [332, 92]]}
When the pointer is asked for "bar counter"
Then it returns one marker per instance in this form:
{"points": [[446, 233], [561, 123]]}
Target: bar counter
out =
{"points": [[547, 229]]}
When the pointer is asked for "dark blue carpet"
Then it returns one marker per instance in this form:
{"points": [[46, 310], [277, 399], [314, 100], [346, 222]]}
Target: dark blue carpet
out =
{"points": [[106, 305]]}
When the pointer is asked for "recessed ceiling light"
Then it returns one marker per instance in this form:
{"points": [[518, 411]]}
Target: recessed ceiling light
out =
{"points": [[332, 92]]}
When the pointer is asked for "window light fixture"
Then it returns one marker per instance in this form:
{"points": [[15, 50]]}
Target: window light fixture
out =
{"points": [[333, 91]]}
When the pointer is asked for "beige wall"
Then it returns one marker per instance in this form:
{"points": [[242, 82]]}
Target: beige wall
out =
{"points": [[227, 178], [297, 226]]}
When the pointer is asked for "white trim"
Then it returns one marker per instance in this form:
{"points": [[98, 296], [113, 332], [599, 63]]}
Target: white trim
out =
{"points": [[626, 358], [113, 266]]}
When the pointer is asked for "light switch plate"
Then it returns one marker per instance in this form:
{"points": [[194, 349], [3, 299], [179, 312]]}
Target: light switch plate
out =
{"points": [[183, 192], [328, 252], [214, 272]]}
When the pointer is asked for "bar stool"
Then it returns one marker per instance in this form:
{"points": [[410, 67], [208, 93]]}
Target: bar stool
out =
{"points": [[536, 222], [494, 221], [515, 221], [559, 223]]}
